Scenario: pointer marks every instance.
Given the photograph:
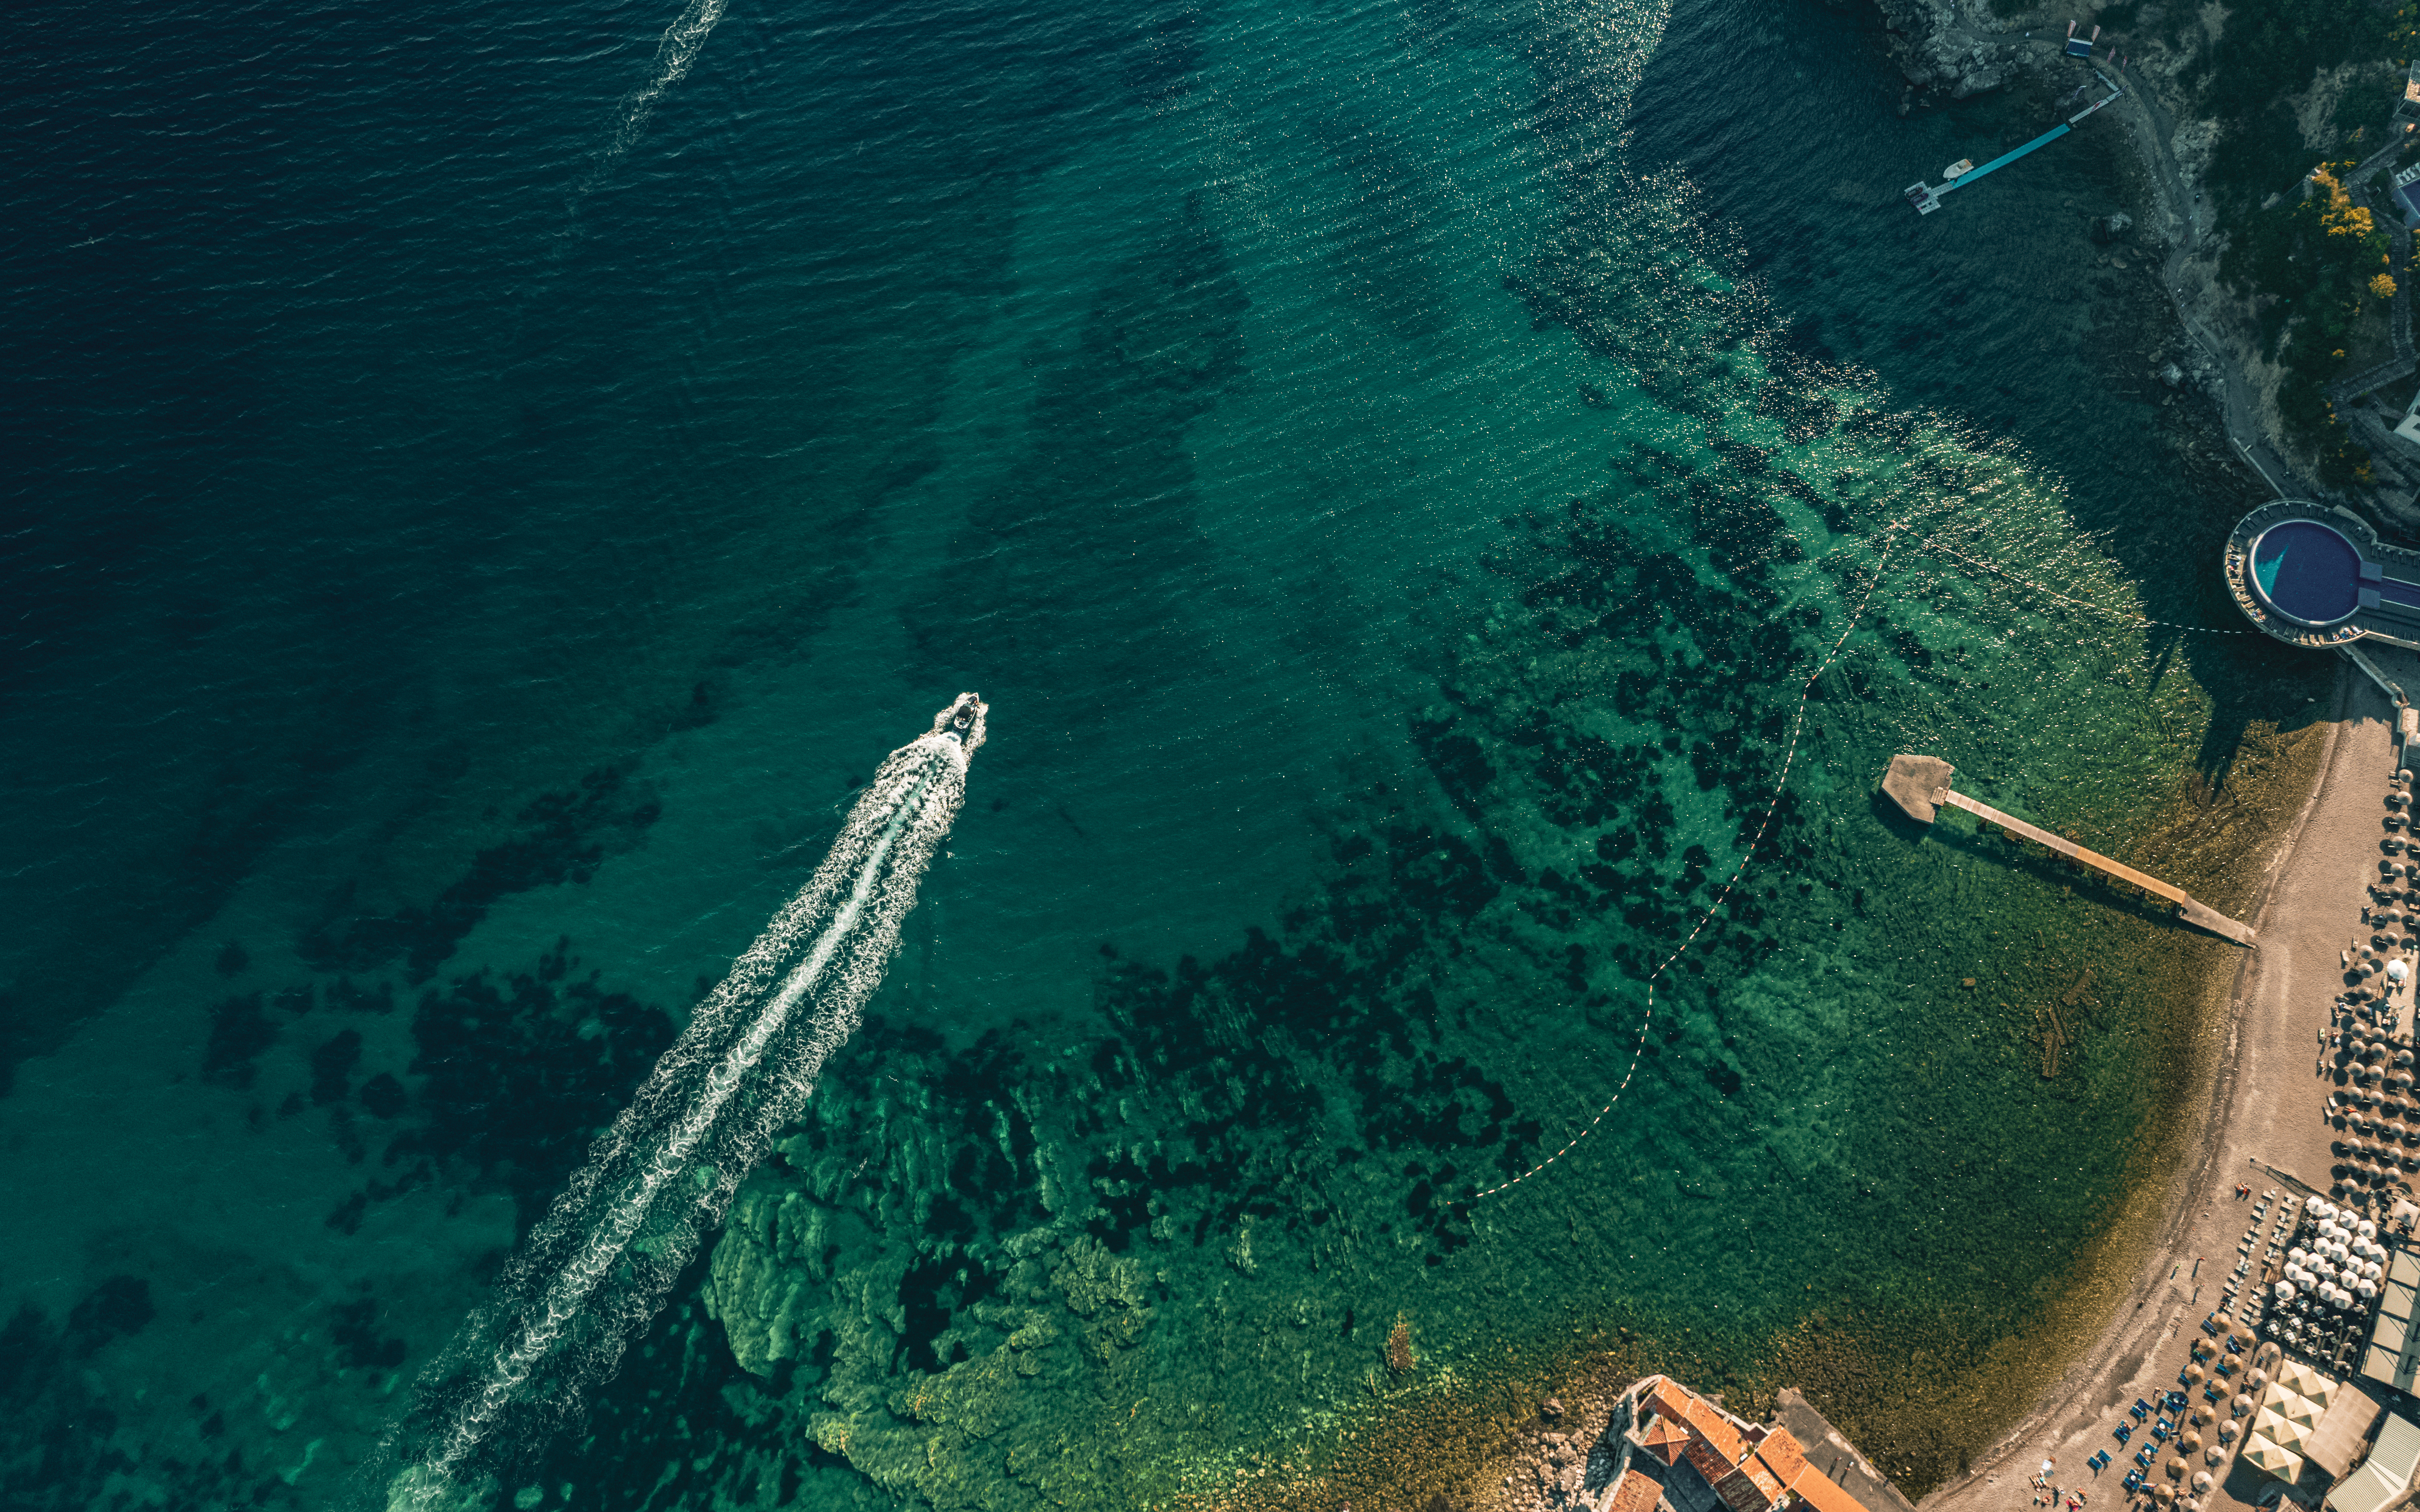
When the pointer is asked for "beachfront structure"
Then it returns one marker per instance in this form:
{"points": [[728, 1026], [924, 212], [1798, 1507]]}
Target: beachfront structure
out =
{"points": [[1675, 1451], [2393, 1359], [2316, 576], [2386, 1474], [2407, 199], [2409, 426], [2407, 110], [2305, 1416]]}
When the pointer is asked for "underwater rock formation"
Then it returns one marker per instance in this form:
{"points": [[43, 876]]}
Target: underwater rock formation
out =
{"points": [[1934, 51]]}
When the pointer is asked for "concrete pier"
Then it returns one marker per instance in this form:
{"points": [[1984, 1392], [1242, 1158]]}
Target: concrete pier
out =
{"points": [[1920, 786]]}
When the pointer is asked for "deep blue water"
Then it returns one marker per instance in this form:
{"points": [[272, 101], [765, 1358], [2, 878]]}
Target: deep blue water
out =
{"points": [[470, 533]]}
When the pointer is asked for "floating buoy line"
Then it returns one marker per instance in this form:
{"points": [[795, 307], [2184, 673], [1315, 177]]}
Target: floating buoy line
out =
{"points": [[1798, 722], [1705, 916], [1929, 544]]}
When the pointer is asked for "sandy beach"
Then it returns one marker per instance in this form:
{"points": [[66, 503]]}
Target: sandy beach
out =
{"points": [[2263, 1110]]}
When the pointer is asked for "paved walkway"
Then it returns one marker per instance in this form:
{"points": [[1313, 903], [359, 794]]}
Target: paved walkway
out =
{"points": [[2264, 1109]]}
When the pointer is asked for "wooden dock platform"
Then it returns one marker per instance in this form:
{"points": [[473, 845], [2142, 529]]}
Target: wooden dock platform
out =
{"points": [[1920, 785]]}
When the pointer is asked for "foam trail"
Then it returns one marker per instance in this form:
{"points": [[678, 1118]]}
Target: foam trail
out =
{"points": [[682, 42], [592, 1273]]}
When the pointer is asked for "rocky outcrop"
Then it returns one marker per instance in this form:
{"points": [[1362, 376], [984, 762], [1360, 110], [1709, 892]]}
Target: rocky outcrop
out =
{"points": [[1936, 53]]}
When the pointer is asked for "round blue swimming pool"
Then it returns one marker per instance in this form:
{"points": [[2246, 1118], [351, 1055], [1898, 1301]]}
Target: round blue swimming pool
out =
{"points": [[2307, 571]]}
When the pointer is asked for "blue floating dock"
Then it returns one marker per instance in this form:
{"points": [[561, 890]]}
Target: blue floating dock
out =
{"points": [[1926, 197]]}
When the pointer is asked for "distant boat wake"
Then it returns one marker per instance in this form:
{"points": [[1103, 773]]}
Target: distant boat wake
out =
{"points": [[682, 42], [592, 1273]]}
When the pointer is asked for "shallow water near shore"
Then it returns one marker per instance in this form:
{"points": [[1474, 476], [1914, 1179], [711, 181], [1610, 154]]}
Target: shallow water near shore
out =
{"points": [[1393, 472]]}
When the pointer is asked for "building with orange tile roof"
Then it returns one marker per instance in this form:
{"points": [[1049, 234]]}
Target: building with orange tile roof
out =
{"points": [[1675, 1451]]}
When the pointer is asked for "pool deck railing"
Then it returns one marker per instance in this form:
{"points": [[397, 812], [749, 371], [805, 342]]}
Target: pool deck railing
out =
{"points": [[1920, 786]]}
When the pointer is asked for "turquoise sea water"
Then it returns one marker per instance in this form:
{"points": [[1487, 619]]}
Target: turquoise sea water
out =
{"points": [[1391, 469]]}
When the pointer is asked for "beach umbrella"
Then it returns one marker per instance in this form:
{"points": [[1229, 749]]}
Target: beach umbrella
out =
{"points": [[2369, 1228], [2176, 1469], [2193, 1372], [2201, 1415], [2242, 1407], [2367, 1288], [2285, 1292], [2190, 1444], [2201, 1481], [2226, 1430], [2164, 1495]]}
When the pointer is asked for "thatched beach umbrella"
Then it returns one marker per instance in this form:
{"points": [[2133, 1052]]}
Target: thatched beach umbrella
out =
{"points": [[2193, 1372], [2191, 1443], [2176, 1469]]}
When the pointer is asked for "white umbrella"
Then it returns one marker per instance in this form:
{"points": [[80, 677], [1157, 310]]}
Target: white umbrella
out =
{"points": [[2369, 1228], [2297, 1256], [2285, 1292], [2368, 1289]]}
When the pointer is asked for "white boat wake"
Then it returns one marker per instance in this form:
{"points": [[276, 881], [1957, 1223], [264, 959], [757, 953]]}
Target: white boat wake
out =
{"points": [[682, 42], [592, 1273]]}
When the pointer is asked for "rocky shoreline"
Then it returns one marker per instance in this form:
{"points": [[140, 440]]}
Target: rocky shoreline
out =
{"points": [[1939, 51]]}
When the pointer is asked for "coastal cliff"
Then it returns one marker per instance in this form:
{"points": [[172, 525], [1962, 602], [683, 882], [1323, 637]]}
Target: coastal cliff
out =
{"points": [[2262, 134]]}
